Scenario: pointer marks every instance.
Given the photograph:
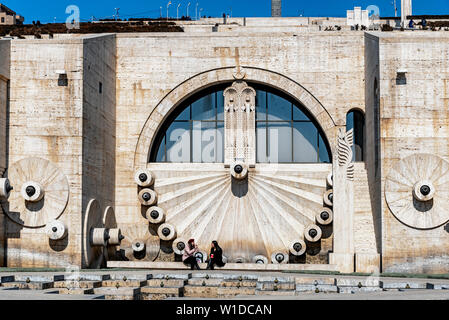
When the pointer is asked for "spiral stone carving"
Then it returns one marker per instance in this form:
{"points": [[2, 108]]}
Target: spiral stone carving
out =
{"points": [[417, 191]]}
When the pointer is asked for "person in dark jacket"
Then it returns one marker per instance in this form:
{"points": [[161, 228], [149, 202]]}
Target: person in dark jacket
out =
{"points": [[216, 256]]}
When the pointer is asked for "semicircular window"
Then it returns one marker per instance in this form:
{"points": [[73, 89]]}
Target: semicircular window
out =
{"points": [[285, 131]]}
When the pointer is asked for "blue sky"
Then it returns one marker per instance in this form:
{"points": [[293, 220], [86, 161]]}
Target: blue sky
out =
{"points": [[46, 10]]}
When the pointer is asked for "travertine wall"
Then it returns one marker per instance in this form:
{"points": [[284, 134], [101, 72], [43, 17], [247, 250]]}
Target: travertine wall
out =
{"points": [[46, 121], [4, 99], [367, 223], [150, 66], [414, 118], [98, 147], [93, 136]]}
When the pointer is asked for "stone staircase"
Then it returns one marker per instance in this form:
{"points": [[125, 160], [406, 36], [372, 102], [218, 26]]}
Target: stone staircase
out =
{"points": [[143, 286]]}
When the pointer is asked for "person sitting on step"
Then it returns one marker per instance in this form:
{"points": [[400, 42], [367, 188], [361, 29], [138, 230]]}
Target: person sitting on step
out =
{"points": [[216, 256], [188, 257]]}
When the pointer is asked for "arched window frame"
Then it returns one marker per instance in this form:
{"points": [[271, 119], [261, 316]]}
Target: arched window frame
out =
{"points": [[321, 138], [359, 126]]}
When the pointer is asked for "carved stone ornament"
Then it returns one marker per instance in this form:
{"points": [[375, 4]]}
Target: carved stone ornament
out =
{"points": [[240, 121], [344, 150], [417, 191]]}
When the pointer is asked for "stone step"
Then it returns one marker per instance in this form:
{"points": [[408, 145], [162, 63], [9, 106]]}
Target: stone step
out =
{"points": [[326, 288], [160, 293], [111, 293], [404, 285], [207, 275], [358, 290], [37, 278], [315, 281], [276, 293], [28, 285], [77, 284], [124, 283], [239, 284], [125, 277], [350, 282], [276, 279], [86, 277], [224, 292], [205, 282], [200, 291], [166, 283], [74, 291], [172, 276], [441, 286], [271, 286]]}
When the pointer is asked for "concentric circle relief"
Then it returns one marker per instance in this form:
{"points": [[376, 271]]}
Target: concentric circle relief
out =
{"points": [[417, 191], [46, 191]]}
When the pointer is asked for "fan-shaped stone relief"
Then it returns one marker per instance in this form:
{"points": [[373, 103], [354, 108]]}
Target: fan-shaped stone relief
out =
{"points": [[265, 215], [40, 192], [417, 191]]}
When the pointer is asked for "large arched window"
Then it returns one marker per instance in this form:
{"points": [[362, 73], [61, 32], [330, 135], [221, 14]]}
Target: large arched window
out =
{"points": [[285, 132], [355, 119]]}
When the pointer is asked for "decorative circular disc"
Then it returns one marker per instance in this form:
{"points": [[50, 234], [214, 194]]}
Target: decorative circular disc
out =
{"points": [[179, 245], [54, 184], [5, 188], [279, 257], [93, 255], [56, 230], [135, 232], [239, 170], [328, 197], [144, 177], [166, 232], [110, 224], [260, 259], [417, 191], [147, 197], [298, 247], [155, 215], [329, 180], [312, 233], [325, 216], [201, 255]]}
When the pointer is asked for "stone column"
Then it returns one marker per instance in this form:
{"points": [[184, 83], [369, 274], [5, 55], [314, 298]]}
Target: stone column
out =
{"points": [[343, 203], [406, 10]]}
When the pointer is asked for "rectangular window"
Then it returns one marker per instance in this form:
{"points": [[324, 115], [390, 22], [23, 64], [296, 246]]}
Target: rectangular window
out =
{"points": [[280, 142], [100, 87], [305, 142], [178, 142], [204, 108], [278, 108]]}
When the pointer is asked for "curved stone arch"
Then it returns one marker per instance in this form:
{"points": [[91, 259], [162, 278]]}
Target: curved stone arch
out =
{"points": [[216, 76]]}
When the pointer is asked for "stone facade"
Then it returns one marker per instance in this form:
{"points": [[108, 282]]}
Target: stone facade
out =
{"points": [[92, 106]]}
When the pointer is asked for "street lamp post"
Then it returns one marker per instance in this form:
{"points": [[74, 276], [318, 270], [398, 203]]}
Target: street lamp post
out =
{"points": [[196, 11], [116, 14], [200, 13], [177, 11], [161, 11], [168, 5], [188, 5]]}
